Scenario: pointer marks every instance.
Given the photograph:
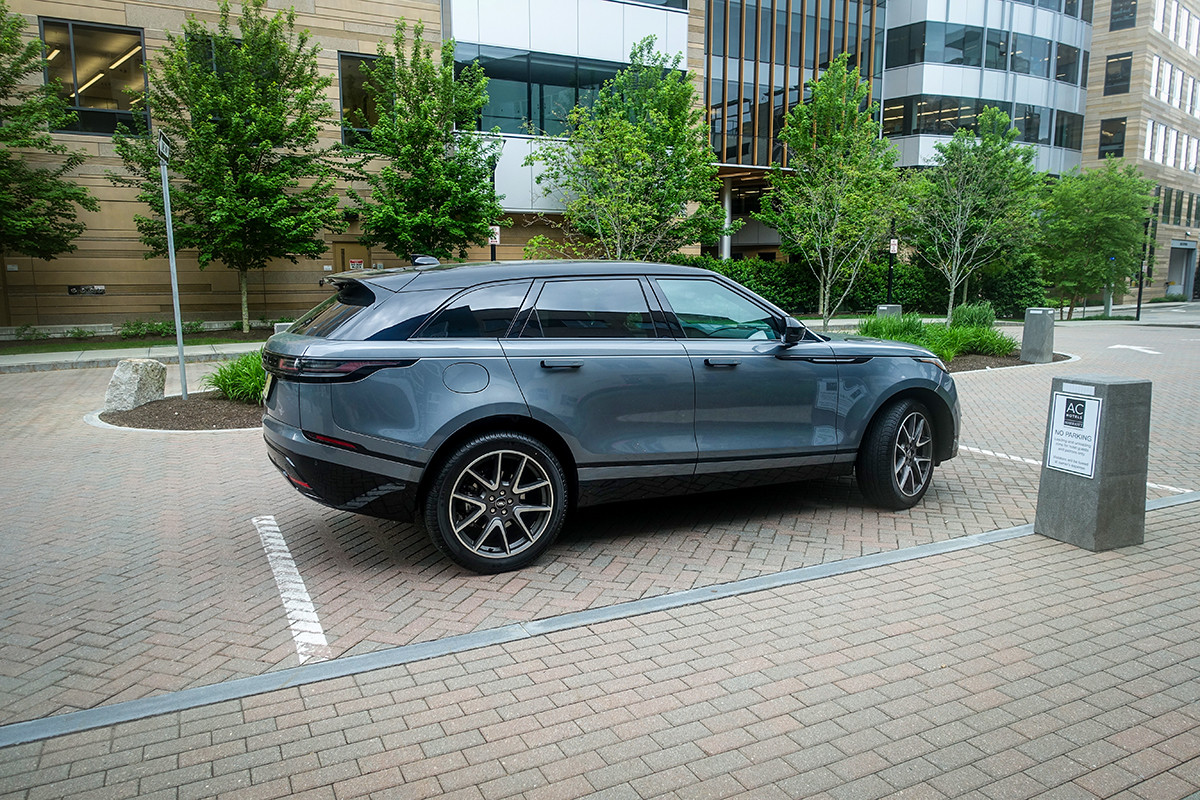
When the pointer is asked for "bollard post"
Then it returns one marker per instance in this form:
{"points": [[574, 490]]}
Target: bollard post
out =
{"points": [[1093, 485], [1037, 340], [888, 310]]}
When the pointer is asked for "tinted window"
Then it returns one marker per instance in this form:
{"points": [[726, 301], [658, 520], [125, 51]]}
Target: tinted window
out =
{"points": [[1068, 130], [708, 310], [99, 73], [483, 313], [1124, 15], [1067, 64], [1112, 137], [996, 53], [1117, 71], [328, 316], [604, 309]]}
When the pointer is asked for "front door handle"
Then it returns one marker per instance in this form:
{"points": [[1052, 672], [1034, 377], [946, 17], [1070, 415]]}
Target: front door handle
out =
{"points": [[721, 362], [559, 363]]}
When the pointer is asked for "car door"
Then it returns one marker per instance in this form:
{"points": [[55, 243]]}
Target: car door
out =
{"points": [[761, 403], [592, 364]]}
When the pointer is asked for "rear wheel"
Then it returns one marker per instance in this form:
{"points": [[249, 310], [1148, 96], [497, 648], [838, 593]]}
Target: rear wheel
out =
{"points": [[895, 461], [497, 503]]}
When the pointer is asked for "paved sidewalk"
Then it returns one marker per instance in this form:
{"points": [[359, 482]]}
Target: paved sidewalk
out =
{"points": [[1026, 668]]}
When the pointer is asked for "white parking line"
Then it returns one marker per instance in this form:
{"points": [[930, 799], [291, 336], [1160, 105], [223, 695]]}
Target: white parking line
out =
{"points": [[1031, 462], [302, 615]]}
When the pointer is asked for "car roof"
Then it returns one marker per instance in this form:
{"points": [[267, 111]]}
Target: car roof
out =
{"points": [[460, 276]]}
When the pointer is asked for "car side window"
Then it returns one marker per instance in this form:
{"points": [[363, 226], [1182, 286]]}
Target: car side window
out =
{"points": [[708, 310], [596, 309], [483, 313]]}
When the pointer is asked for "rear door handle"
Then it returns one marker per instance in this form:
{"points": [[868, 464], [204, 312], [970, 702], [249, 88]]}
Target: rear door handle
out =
{"points": [[721, 362], [559, 363]]}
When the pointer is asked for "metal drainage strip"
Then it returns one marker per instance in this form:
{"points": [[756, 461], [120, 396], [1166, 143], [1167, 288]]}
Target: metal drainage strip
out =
{"points": [[239, 688]]}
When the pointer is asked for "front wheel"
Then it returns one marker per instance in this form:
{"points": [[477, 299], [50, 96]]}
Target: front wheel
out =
{"points": [[497, 503], [895, 461]]}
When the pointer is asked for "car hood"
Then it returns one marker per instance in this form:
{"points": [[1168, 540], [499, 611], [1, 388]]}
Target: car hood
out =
{"points": [[847, 344]]}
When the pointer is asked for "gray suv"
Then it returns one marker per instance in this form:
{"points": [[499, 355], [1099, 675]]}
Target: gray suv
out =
{"points": [[490, 400]]}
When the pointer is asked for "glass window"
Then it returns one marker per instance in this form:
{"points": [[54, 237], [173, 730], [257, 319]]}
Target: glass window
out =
{"points": [[897, 116], [1083, 69], [996, 52], [358, 106], [1055, 5], [591, 309], [1068, 130], [708, 310], [964, 45], [1124, 15], [99, 73], [533, 89], [1085, 10], [1032, 122], [1031, 55], [1067, 64], [906, 45], [1112, 137], [1071, 8], [483, 313]]}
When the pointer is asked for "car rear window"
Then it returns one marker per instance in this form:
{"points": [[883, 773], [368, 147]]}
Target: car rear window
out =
{"points": [[331, 314]]}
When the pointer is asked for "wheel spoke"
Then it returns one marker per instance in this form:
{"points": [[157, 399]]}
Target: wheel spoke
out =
{"points": [[490, 486]]}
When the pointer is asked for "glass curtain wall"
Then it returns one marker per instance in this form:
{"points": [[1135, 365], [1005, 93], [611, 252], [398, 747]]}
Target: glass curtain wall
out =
{"points": [[760, 53]]}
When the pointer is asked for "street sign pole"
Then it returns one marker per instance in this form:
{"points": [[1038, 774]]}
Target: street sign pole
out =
{"points": [[164, 155]]}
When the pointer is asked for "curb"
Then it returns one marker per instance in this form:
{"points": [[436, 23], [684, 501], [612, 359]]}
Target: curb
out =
{"points": [[50, 366]]}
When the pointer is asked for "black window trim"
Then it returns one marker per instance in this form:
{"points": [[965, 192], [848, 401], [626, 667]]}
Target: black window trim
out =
{"points": [[71, 23], [522, 307]]}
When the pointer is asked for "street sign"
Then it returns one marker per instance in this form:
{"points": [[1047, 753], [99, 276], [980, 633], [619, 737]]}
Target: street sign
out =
{"points": [[164, 148], [894, 246], [494, 238]]}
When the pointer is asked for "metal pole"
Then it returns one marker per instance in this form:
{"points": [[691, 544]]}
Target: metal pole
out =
{"points": [[166, 189]]}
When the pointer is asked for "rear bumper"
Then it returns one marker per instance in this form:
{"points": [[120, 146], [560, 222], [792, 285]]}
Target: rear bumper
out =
{"points": [[325, 478]]}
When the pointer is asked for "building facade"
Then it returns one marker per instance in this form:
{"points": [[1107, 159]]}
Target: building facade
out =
{"points": [[1145, 107], [933, 65]]}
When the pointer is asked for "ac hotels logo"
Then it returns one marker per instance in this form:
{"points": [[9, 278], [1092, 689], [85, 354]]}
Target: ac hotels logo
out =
{"points": [[1074, 412]]}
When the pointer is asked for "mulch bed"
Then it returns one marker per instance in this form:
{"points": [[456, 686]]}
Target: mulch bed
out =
{"points": [[207, 411], [202, 411]]}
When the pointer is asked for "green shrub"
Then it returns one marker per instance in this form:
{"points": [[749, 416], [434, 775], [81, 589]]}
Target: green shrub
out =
{"points": [[80, 333], [973, 315], [906, 328], [1169, 298], [28, 333], [133, 329], [1014, 289], [241, 379], [195, 326]]}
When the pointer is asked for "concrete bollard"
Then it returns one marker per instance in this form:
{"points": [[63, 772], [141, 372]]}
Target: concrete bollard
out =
{"points": [[888, 311], [280, 327], [1093, 484], [1037, 341]]}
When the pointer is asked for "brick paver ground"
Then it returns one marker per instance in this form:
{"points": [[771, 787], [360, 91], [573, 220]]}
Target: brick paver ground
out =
{"points": [[131, 568], [1020, 669]]}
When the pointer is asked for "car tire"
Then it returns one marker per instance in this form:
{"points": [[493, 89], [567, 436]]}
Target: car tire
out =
{"points": [[497, 503], [895, 462]]}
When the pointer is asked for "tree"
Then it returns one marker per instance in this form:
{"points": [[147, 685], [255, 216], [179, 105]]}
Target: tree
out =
{"points": [[242, 114], [434, 192], [634, 172], [977, 201], [1094, 228], [834, 202], [38, 204]]}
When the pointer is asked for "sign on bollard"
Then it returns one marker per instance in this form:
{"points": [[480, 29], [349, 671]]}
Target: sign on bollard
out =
{"points": [[1093, 485]]}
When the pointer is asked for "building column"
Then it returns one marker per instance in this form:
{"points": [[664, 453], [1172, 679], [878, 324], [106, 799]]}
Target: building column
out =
{"points": [[727, 203]]}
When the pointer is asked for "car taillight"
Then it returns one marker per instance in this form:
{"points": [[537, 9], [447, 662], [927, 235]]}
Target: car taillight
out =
{"points": [[332, 442], [302, 368]]}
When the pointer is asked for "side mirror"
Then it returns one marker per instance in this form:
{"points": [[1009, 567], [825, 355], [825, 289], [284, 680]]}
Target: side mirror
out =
{"points": [[794, 332]]}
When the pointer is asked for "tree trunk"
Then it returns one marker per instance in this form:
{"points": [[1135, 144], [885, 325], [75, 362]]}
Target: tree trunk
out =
{"points": [[1108, 297], [966, 281], [245, 305], [1071, 310], [950, 305]]}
